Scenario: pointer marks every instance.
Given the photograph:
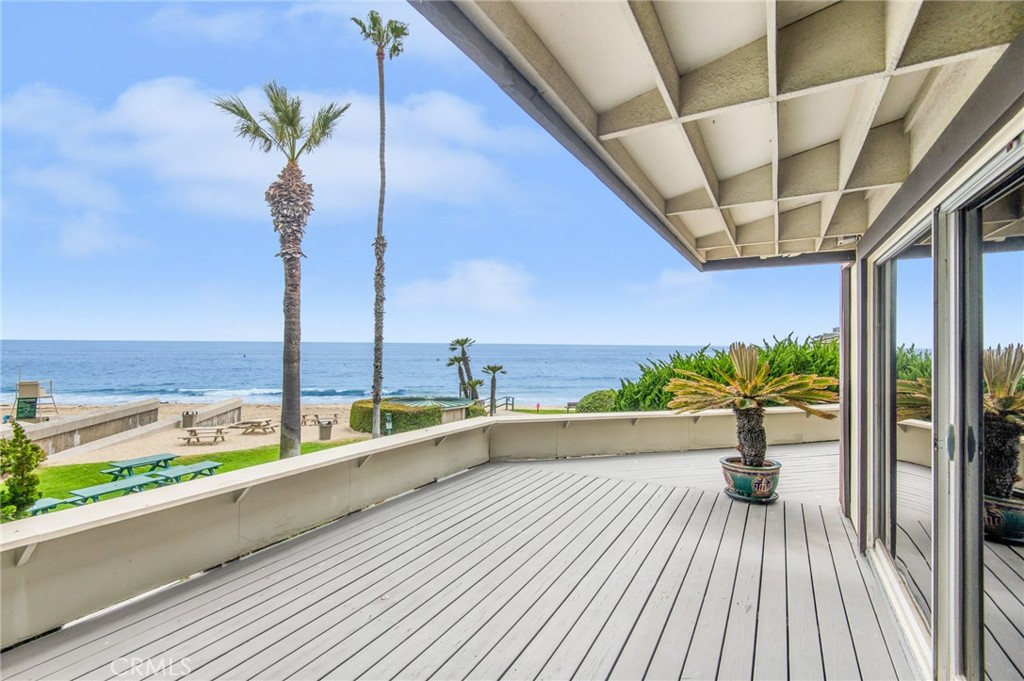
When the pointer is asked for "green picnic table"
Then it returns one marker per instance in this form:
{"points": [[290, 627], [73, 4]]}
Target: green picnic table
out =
{"points": [[125, 469], [134, 483], [191, 472], [47, 504]]}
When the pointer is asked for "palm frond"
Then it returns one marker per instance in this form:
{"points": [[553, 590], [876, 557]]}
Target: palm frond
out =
{"points": [[1003, 370], [322, 126], [914, 399], [246, 126]]}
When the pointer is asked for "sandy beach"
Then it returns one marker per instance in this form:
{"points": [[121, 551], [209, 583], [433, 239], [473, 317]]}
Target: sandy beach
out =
{"points": [[169, 442]]}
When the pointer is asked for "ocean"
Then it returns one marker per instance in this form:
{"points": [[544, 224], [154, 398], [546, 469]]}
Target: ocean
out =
{"points": [[105, 372]]}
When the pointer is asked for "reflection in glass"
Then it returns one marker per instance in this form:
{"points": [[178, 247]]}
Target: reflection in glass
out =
{"points": [[910, 464], [1003, 575]]}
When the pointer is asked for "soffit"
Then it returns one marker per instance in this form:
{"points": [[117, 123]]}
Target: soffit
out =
{"points": [[755, 128]]}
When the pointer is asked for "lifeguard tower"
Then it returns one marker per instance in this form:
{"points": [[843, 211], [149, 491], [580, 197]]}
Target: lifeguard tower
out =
{"points": [[33, 398]]}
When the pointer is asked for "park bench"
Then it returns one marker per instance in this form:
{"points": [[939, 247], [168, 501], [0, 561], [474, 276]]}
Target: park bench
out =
{"points": [[569, 406], [198, 434], [135, 483], [190, 472], [143, 464]]}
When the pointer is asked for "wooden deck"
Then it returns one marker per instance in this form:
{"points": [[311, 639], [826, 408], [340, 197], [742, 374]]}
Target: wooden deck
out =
{"points": [[518, 571]]}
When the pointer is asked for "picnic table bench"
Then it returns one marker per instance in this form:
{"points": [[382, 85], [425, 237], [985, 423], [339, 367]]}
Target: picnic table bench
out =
{"points": [[198, 434], [314, 419], [126, 485], [570, 405], [47, 504], [189, 472], [127, 468], [257, 427]]}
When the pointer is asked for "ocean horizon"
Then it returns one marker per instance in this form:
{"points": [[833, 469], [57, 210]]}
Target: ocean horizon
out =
{"points": [[110, 372]]}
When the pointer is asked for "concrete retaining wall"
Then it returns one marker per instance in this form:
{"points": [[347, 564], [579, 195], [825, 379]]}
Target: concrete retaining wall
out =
{"points": [[220, 414], [60, 434]]}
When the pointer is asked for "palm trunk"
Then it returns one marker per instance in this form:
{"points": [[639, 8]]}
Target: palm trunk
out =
{"points": [[1002, 451], [753, 444], [380, 245], [469, 376], [463, 392], [494, 391], [291, 201]]}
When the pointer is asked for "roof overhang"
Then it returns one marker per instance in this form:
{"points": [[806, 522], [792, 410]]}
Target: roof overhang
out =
{"points": [[775, 141]]}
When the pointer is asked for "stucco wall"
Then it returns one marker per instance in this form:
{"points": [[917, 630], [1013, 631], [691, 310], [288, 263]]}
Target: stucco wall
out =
{"points": [[60, 434]]}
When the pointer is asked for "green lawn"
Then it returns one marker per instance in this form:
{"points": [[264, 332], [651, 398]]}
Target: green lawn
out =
{"points": [[542, 411], [57, 481]]}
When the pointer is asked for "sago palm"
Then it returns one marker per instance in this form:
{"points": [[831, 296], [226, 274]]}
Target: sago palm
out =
{"points": [[387, 39], [290, 198], [747, 392], [493, 370], [459, 345], [1003, 407]]}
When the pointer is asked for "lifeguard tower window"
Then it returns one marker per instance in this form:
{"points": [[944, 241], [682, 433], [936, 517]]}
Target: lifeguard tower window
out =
{"points": [[31, 396]]}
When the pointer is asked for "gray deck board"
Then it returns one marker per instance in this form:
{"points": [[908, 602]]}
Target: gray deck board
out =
{"points": [[527, 570]]}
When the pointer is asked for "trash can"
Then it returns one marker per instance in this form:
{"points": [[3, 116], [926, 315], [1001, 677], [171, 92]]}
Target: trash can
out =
{"points": [[188, 418], [325, 429]]}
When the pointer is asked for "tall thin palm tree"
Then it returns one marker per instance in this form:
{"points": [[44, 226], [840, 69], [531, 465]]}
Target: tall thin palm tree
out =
{"points": [[290, 199], [493, 370], [460, 345], [387, 39], [456, 361]]}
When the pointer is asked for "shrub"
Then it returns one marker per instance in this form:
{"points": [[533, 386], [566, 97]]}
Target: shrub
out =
{"points": [[19, 458], [403, 417], [784, 356], [597, 401], [476, 410], [912, 364]]}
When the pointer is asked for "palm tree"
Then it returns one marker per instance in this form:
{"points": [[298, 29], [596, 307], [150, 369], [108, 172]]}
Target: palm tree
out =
{"points": [[473, 385], [456, 361], [747, 392], [291, 201], [386, 38], [493, 370], [461, 344]]}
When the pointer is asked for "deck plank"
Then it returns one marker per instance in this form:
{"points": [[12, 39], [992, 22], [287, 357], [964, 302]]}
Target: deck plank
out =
{"points": [[740, 639], [351, 631], [838, 655], [677, 635], [771, 653], [602, 651], [709, 626], [635, 655], [805, 659]]}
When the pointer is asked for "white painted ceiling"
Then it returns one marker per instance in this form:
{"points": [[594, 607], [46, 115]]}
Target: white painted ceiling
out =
{"points": [[756, 128]]}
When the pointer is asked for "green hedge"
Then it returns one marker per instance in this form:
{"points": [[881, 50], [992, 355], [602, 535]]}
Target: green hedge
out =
{"points": [[403, 418], [476, 410], [597, 401], [784, 356]]}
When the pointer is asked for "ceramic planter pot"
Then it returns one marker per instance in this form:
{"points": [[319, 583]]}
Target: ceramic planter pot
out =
{"points": [[1004, 518], [753, 484]]}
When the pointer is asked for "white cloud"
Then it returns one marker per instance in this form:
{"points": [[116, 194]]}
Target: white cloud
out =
{"points": [[90, 235], [678, 284], [240, 25], [485, 285], [71, 186], [168, 131]]}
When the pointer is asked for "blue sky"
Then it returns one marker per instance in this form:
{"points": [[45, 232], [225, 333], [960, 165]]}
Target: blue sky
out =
{"points": [[131, 211]]}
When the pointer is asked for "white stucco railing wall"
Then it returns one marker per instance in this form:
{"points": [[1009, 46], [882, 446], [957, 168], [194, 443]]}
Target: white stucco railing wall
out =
{"points": [[58, 567], [557, 437]]}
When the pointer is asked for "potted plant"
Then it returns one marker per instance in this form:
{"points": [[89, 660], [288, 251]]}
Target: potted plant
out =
{"points": [[1003, 405], [747, 390]]}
